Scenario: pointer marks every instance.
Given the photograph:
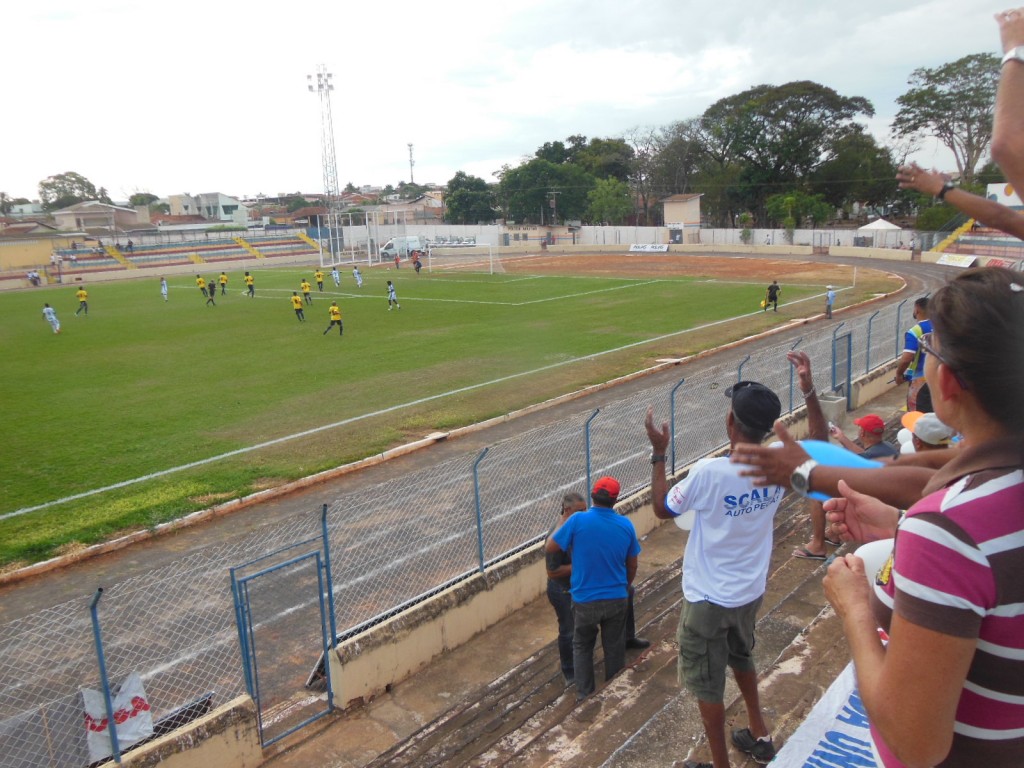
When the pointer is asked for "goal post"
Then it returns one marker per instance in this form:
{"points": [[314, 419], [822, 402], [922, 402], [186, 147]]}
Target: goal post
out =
{"points": [[472, 258]]}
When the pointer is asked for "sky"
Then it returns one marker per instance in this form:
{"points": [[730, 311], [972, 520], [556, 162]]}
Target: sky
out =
{"points": [[212, 97]]}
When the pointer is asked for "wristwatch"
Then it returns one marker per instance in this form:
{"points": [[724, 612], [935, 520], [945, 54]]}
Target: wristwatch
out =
{"points": [[657, 458], [945, 188], [1014, 54], [800, 480]]}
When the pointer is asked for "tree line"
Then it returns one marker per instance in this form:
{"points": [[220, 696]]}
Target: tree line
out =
{"points": [[774, 155]]}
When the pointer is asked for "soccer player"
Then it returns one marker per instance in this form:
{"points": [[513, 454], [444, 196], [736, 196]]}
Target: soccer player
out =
{"points": [[249, 287], [319, 277], [358, 276], [306, 288], [335, 312], [297, 306], [223, 280], [336, 276], [51, 317], [83, 301], [212, 293], [163, 287], [202, 285], [392, 298]]}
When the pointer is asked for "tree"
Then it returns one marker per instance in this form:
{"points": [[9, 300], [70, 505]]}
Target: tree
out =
{"points": [[859, 171], [610, 202], [604, 158], [469, 200], [954, 103], [293, 203], [66, 189], [525, 191], [6, 204], [143, 198], [792, 208]]}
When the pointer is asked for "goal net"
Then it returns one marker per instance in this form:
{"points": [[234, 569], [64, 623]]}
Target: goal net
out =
{"points": [[474, 258]]}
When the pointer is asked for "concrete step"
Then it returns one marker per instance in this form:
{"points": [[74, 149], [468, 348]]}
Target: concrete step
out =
{"points": [[528, 717]]}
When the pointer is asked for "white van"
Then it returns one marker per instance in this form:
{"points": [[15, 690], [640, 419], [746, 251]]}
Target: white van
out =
{"points": [[403, 246]]}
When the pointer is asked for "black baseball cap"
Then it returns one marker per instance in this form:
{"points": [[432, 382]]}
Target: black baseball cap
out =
{"points": [[754, 405]]}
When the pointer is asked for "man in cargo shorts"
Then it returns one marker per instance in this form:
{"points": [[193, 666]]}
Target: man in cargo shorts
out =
{"points": [[725, 568]]}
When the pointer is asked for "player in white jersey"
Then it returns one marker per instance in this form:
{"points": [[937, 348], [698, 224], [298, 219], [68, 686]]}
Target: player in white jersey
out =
{"points": [[392, 297], [358, 276], [51, 317], [163, 287], [336, 276]]}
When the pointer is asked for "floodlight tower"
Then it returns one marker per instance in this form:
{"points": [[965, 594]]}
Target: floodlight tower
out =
{"points": [[323, 86], [411, 164]]}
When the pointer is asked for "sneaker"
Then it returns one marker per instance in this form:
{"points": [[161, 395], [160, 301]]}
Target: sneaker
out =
{"points": [[695, 764], [638, 643], [762, 751]]}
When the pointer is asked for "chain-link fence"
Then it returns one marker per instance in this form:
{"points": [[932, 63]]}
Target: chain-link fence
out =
{"points": [[389, 547]]}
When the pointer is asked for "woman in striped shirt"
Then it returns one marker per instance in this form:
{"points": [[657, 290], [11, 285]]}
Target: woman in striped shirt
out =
{"points": [[948, 689]]}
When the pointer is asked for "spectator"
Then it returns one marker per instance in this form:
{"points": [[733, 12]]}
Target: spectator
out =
{"points": [[604, 550], [946, 689], [830, 299], [559, 570], [910, 367], [923, 432], [872, 446], [1008, 123], [725, 569]]}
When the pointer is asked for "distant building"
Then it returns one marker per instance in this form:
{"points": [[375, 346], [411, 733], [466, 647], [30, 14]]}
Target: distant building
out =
{"points": [[96, 217], [212, 206]]}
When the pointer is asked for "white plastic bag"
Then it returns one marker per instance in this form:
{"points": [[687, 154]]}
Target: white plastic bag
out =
{"points": [[132, 717]]}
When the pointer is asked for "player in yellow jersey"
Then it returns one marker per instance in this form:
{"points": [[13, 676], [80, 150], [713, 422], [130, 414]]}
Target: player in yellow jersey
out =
{"points": [[223, 280], [249, 287], [83, 301], [306, 288], [319, 277], [202, 285], [335, 312], [297, 306]]}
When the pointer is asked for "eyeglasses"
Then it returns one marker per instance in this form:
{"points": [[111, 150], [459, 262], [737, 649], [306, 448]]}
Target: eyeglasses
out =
{"points": [[929, 349]]}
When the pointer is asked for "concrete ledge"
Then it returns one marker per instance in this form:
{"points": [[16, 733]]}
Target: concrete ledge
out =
{"points": [[228, 737]]}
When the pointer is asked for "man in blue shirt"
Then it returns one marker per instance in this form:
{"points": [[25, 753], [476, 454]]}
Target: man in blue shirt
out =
{"points": [[604, 549]]}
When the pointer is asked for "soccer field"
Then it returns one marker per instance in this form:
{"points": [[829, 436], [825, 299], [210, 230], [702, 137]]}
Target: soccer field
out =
{"points": [[140, 386]]}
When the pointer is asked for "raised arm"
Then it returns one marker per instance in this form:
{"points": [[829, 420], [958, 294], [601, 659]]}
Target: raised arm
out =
{"points": [[1008, 125]]}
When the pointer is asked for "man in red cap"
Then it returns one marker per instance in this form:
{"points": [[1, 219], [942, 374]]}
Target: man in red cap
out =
{"points": [[870, 438], [604, 551]]}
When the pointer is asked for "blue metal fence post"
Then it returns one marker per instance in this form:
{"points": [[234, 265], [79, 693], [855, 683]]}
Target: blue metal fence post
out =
{"points": [[792, 373], [739, 370], [115, 749], [330, 581], [867, 350], [479, 511], [586, 438], [899, 325], [243, 642], [834, 332], [672, 421]]}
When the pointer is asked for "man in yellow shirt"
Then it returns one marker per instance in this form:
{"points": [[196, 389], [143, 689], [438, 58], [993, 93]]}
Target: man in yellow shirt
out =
{"points": [[202, 285], [306, 288], [319, 277], [297, 306], [223, 280], [83, 300], [249, 287], [335, 312]]}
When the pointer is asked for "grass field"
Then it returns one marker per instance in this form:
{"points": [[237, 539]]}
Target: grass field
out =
{"points": [[140, 386]]}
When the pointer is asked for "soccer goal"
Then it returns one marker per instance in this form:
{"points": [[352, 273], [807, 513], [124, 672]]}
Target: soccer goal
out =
{"points": [[473, 258]]}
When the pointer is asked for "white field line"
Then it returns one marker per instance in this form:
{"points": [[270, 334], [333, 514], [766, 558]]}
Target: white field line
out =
{"points": [[372, 414]]}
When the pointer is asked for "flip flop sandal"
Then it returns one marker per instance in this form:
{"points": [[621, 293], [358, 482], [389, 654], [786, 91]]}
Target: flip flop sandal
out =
{"points": [[805, 554]]}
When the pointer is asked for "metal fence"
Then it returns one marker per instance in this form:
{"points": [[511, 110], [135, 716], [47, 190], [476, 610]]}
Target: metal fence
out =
{"points": [[389, 548]]}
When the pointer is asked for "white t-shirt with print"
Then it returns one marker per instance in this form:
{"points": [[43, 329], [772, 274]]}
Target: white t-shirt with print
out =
{"points": [[730, 545]]}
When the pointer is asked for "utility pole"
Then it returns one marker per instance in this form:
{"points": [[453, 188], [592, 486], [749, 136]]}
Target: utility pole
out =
{"points": [[411, 164], [553, 202]]}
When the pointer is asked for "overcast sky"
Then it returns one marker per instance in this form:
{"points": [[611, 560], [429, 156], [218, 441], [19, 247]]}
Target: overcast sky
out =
{"points": [[212, 97]]}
